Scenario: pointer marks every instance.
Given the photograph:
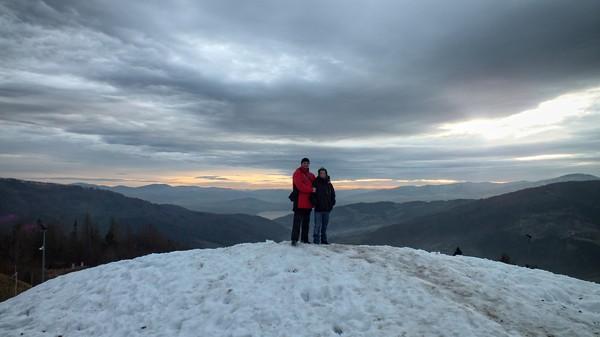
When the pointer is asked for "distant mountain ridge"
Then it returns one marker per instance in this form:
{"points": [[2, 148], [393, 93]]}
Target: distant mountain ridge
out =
{"points": [[207, 199], [355, 219], [66, 203], [227, 200], [464, 190], [555, 227]]}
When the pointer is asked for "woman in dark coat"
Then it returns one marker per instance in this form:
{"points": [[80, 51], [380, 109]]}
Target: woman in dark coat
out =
{"points": [[323, 201]]}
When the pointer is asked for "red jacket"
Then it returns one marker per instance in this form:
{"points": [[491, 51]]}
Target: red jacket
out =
{"points": [[303, 180]]}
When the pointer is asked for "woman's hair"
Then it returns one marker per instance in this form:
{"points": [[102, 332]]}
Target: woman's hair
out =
{"points": [[322, 169]]}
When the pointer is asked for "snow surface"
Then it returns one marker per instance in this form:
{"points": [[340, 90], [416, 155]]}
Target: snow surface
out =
{"points": [[273, 289]]}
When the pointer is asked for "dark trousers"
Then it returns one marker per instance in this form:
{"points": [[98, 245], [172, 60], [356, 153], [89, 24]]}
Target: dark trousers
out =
{"points": [[301, 220]]}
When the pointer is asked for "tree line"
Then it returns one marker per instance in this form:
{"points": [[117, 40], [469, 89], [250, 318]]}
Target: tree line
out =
{"points": [[75, 246]]}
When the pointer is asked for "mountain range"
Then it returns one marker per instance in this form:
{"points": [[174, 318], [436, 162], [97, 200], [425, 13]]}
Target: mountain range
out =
{"points": [[356, 219], [226, 200], [55, 203], [555, 227], [462, 190]]}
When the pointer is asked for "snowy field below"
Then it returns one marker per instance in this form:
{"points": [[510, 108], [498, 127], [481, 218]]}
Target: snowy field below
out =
{"points": [[273, 289]]}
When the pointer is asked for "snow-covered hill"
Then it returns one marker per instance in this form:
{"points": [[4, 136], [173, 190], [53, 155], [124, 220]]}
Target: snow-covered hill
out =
{"points": [[271, 289]]}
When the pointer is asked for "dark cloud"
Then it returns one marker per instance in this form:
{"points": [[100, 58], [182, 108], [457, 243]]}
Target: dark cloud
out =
{"points": [[188, 85]]}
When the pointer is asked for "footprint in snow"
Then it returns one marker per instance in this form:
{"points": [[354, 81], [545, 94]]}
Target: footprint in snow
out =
{"points": [[305, 296], [337, 330]]}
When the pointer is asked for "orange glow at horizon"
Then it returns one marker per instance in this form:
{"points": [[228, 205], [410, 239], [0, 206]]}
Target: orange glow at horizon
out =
{"points": [[253, 179]]}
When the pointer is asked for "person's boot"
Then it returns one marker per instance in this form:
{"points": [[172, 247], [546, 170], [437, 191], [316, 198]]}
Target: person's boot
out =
{"points": [[294, 243], [324, 242]]}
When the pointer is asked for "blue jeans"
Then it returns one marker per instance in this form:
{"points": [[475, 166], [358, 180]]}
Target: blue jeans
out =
{"points": [[320, 228]]}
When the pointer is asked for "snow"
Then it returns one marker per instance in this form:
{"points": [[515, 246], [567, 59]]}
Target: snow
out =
{"points": [[273, 289]]}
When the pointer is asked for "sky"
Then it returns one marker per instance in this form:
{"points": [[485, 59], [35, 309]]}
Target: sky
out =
{"points": [[235, 93]]}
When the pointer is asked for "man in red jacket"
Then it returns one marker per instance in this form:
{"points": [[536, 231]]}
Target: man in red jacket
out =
{"points": [[302, 183]]}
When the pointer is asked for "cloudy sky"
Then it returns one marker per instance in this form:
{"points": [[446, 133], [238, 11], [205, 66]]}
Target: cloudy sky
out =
{"points": [[235, 93]]}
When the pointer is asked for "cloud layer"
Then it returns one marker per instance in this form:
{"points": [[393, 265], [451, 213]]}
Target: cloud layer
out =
{"points": [[157, 91]]}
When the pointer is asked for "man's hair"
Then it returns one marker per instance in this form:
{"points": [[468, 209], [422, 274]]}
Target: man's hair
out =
{"points": [[305, 160]]}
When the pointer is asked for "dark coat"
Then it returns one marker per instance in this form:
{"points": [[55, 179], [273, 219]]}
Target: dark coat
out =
{"points": [[324, 197]]}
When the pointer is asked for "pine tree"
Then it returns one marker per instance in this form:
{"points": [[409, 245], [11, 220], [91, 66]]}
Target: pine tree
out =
{"points": [[112, 235]]}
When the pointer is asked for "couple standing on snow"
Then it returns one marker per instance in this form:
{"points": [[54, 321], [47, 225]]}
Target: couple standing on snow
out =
{"points": [[308, 192]]}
